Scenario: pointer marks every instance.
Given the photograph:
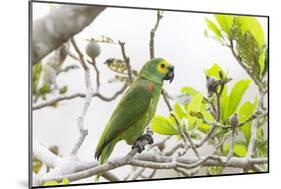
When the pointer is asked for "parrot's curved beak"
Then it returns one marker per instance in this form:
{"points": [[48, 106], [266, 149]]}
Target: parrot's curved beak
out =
{"points": [[170, 74]]}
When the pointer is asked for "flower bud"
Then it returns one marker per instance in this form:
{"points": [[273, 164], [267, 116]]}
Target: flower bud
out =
{"points": [[93, 49]]}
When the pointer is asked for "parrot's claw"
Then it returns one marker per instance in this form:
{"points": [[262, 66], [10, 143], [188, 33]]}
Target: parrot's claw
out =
{"points": [[142, 141]]}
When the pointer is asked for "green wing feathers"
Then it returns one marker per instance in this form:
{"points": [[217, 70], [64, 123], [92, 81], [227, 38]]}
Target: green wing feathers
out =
{"points": [[133, 105]]}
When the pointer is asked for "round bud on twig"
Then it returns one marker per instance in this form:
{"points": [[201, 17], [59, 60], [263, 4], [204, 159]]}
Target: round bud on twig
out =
{"points": [[93, 49], [212, 85], [234, 120]]}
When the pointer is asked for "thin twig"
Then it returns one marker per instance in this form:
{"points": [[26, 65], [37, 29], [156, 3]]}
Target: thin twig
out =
{"points": [[138, 172], [81, 57], [164, 94], [79, 95], [239, 60], [93, 63], [179, 128], [152, 174], [127, 61], [187, 173], [231, 150], [192, 145], [218, 106], [174, 149], [152, 35], [255, 115]]}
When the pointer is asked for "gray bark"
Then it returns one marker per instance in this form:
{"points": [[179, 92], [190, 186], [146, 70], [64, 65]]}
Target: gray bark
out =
{"points": [[50, 31]]}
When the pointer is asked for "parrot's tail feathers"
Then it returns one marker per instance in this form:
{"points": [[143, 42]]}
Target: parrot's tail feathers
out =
{"points": [[103, 154], [97, 154]]}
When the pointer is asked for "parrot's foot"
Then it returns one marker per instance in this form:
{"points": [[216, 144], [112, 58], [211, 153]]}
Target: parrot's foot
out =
{"points": [[142, 141]]}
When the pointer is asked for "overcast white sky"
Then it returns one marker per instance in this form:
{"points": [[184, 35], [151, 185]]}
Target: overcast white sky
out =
{"points": [[180, 39]]}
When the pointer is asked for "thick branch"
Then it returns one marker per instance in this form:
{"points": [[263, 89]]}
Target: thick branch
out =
{"points": [[153, 161], [45, 155], [252, 142], [96, 170], [88, 83], [210, 160], [50, 31], [66, 165]]}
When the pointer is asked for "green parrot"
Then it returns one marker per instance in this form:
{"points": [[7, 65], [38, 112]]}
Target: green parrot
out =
{"points": [[136, 108]]}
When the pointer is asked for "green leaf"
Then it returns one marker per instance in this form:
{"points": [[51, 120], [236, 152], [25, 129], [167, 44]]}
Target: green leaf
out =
{"points": [[245, 111], [213, 27], [261, 63], [263, 149], [240, 150], [65, 181], [195, 103], [50, 183], [189, 90], [45, 89], [179, 111], [214, 71], [235, 97], [264, 71], [225, 22], [194, 106], [198, 115], [162, 126], [215, 170], [63, 90], [204, 127], [251, 24], [208, 116], [36, 164], [36, 73]]}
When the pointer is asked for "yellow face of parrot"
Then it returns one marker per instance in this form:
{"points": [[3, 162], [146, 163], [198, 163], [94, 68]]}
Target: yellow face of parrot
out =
{"points": [[158, 69]]}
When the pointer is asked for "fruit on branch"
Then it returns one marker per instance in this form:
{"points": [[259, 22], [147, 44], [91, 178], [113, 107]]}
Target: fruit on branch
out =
{"points": [[93, 49], [234, 120], [136, 108]]}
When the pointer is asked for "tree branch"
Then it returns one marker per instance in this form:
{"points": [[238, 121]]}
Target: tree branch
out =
{"points": [[127, 61], [61, 166], [44, 155], [79, 95], [97, 169], [149, 160], [50, 31], [152, 34], [239, 60], [164, 95], [93, 63], [252, 142], [89, 87]]}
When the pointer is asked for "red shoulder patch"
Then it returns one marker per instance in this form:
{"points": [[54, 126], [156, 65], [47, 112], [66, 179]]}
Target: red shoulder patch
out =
{"points": [[150, 87], [121, 130]]}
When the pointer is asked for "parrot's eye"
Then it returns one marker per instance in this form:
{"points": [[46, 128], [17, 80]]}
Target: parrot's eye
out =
{"points": [[162, 67]]}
